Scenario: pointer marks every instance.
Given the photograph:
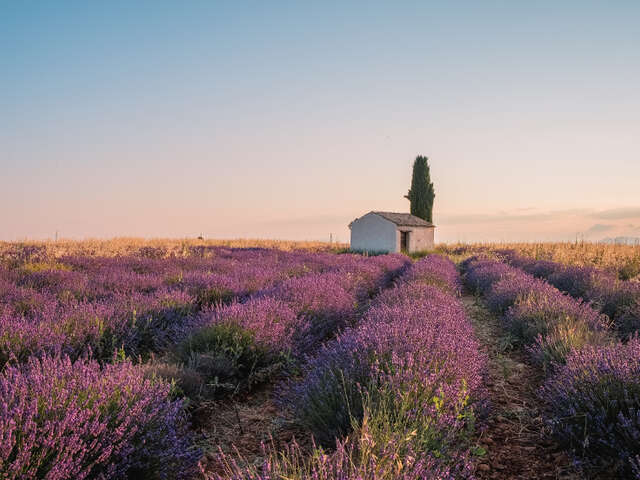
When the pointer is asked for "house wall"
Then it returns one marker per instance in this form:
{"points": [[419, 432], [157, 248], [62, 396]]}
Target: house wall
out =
{"points": [[420, 238], [373, 233]]}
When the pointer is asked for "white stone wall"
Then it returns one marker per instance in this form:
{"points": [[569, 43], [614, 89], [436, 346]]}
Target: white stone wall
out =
{"points": [[421, 238], [373, 233]]}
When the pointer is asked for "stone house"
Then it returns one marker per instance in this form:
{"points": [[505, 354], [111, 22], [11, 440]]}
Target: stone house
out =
{"points": [[391, 232]]}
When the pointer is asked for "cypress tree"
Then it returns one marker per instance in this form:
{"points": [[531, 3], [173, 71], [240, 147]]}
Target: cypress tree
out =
{"points": [[421, 193]]}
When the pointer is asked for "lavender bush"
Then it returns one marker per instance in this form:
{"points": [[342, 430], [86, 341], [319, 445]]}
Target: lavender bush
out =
{"points": [[326, 305], [378, 449], [273, 322], [618, 299], [437, 271], [233, 347], [482, 273], [410, 370], [595, 399], [400, 345], [241, 344], [228, 315], [550, 324], [61, 420], [142, 305]]}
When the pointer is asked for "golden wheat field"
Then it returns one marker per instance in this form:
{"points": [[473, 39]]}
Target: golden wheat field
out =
{"points": [[624, 259], [156, 247], [606, 256]]}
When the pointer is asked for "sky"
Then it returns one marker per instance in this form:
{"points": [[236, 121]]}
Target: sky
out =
{"points": [[290, 119]]}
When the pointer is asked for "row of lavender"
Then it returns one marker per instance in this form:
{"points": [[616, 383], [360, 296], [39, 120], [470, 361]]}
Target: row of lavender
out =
{"points": [[396, 395], [618, 299], [243, 343], [593, 386], [139, 305], [61, 418], [539, 317]]}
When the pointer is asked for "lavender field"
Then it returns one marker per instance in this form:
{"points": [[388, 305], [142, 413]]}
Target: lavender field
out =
{"points": [[319, 240], [571, 327], [144, 365]]}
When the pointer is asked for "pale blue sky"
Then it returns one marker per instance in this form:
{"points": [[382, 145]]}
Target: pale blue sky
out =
{"points": [[287, 119]]}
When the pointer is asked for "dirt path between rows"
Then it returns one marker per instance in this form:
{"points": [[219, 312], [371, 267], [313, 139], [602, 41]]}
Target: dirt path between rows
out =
{"points": [[239, 428], [517, 441]]}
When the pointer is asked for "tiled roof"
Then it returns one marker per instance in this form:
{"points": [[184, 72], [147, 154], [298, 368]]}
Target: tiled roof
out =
{"points": [[404, 219]]}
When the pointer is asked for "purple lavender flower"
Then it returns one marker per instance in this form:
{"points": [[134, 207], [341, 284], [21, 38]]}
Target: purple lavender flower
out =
{"points": [[543, 319], [435, 270], [595, 400], [414, 353], [615, 298], [62, 420]]}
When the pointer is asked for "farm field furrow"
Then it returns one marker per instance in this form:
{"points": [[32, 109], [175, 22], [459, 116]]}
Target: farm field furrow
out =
{"points": [[228, 364], [620, 260], [319, 240], [591, 387], [291, 321], [136, 304], [618, 299], [102, 355], [516, 439], [399, 392]]}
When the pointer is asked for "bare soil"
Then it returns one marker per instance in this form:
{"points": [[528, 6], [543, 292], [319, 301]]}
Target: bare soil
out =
{"points": [[517, 441], [239, 428]]}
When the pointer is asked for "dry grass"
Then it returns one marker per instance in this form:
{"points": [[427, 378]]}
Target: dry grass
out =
{"points": [[162, 247], [609, 257]]}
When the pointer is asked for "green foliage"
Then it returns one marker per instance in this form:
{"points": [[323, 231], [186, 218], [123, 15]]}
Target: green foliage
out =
{"points": [[384, 443], [421, 194], [207, 297], [227, 338], [391, 417], [630, 270], [227, 357], [417, 255], [185, 383], [565, 337], [171, 312], [331, 411]]}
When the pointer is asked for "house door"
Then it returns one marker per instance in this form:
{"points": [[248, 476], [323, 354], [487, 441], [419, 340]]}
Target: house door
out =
{"points": [[404, 241]]}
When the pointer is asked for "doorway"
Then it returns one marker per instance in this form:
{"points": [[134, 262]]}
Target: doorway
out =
{"points": [[404, 241]]}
